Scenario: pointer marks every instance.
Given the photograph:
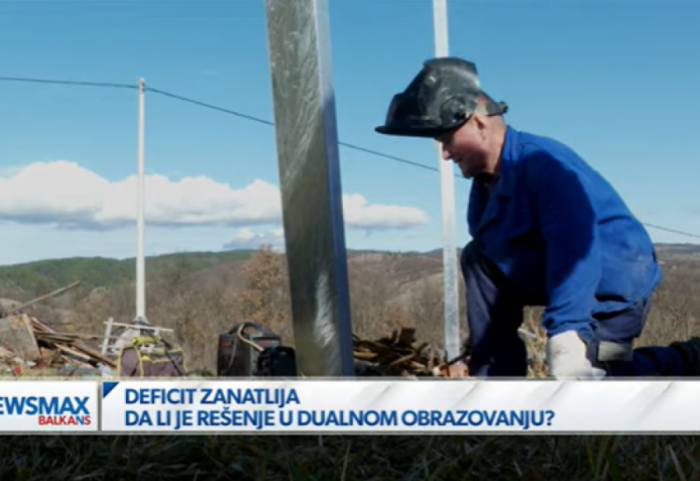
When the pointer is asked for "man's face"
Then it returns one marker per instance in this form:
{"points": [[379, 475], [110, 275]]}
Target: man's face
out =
{"points": [[466, 146]]}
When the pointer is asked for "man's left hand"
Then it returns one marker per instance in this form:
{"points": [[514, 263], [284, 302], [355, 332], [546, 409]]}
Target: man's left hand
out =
{"points": [[566, 358]]}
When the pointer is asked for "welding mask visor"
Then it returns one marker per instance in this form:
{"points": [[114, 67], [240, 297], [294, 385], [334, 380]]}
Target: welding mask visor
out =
{"points": [[441, 97]]}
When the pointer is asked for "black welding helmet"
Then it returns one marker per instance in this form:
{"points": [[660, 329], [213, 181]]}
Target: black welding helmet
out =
{"points": [[444, 94]]}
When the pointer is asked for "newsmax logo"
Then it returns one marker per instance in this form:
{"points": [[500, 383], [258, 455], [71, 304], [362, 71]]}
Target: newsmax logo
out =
{"points": [[49, 410]]}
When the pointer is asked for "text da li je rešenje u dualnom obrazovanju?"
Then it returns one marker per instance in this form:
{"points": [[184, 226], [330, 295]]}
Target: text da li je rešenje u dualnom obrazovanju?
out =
{"points": [[261, 408]]}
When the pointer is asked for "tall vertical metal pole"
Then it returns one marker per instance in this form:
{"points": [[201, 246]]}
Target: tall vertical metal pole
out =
{"points": [[449, 246], [309, 168], [140, 207]]}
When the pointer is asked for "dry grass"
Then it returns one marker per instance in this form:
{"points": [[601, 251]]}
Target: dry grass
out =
{"points": [[365, 458]]}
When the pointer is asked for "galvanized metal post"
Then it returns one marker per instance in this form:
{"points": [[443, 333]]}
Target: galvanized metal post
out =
{"points": [[309, 169], [447, 193]]}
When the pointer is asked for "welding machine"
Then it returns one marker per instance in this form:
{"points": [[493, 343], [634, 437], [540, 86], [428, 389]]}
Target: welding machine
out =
{"points": [[254, 350]]}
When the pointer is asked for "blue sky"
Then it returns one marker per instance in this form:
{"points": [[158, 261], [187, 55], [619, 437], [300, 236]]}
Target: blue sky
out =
{"points": [[617, 80]]}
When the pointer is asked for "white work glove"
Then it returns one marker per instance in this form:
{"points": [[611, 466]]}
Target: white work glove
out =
{"points": [[566, 358]]}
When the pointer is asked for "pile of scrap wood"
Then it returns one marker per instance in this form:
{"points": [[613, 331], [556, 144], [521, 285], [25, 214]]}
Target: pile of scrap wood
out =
{"points": [[70, 346], [35, 343], [398, 355], [41, 346]]}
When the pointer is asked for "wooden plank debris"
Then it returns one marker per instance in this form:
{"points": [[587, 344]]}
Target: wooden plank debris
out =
{"points": [[34, 341], [68, 344], [398, 355]]}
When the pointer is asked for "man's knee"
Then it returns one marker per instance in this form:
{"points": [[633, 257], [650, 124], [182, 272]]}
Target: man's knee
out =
{"points": [[615, 334]]}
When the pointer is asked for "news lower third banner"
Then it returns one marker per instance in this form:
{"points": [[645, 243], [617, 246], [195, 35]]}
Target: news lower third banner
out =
{"points": [[441, 406], [223, 406]]}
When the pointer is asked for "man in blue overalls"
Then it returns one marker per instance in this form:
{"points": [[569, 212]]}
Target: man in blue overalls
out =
{"points": [[548, 230]]}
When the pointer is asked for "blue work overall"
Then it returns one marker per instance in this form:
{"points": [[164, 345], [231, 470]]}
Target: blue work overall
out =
{"points": [[551, 231]]}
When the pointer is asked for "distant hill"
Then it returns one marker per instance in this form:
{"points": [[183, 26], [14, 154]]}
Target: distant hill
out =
{"points": [[49, 274], [46, 275]]}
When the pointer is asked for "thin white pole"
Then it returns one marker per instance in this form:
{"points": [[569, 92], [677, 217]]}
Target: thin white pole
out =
{"points": [[140, 261], [449, 253]]}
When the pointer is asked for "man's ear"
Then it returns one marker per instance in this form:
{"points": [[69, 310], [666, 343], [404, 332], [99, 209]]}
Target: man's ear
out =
{"points": [[481, 124]]}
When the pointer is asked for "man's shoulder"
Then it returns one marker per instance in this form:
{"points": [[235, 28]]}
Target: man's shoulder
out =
{"points": [[542, 157], [547, 163], [534, 145]]}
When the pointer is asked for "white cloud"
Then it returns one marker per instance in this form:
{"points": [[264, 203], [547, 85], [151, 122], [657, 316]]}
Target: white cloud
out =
{"points": [[247, 239], [358, 213], [68, 196]]}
